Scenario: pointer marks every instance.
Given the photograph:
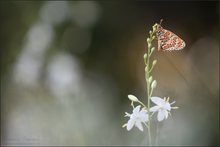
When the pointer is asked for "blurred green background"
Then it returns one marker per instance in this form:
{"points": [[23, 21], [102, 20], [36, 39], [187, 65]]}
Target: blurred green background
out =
{"points": [[68, 66]]}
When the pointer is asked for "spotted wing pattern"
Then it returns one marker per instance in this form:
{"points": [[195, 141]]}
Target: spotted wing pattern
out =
{"points": [[168, 41]]}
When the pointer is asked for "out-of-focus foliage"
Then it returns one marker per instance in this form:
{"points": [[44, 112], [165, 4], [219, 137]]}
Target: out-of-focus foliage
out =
{"points": [[68, 66]]}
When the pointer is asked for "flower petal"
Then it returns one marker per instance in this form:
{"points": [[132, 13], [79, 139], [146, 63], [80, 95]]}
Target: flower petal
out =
{"points": [[143, 111], [157, 100], [160, 115], [124, 125], [139, 125], [143, 116], [127, 114], [154, 108], [167, 106], [136, 109], [130, 124], [173, 103], [165, 113]]}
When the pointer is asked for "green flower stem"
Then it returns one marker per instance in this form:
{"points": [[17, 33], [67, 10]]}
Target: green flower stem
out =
{"points": [[157, 134], [142, 104], [151, 92], [148, 92], [147, 75]]}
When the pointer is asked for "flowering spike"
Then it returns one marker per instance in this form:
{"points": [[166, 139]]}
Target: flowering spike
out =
{"points": [[142, 114]]}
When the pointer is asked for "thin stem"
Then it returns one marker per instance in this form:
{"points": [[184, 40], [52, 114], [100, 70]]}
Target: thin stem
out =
{"points": [[148, 94], [151, 92], [157, 136], [149, 133], [151, 69], [152, 114], [147, 75], [142, 104]]}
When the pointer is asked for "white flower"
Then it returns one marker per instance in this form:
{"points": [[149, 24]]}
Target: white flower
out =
{"points": [[137, 118], [162, 106]]}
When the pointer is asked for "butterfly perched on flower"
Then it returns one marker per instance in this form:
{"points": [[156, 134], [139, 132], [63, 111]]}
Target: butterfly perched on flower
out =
{"points": [[167, 40]]}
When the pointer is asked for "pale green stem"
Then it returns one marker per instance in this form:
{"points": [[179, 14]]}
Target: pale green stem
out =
{"points": [[151, 69], [148, 94], [152, 114], [149, 91], [157, 135], [142, 104]]}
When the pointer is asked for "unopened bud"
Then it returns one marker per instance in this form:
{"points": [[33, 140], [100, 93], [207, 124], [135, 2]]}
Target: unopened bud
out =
{"points": [[154, 84], [154, 62], [155, 27], [152, 49], [145, 56], [133, 98], [146, 69]]}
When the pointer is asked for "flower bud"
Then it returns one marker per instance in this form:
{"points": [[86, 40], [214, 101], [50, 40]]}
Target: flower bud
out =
{"points": [[145, 56], [150, 32], [154, 62], [154, 84], [148, 40], [153, 37], [146, 69], [152, 49], [155, 27], [133, 98]]}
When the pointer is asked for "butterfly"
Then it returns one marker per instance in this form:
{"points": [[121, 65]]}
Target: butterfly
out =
{"points": [[167, 40]]}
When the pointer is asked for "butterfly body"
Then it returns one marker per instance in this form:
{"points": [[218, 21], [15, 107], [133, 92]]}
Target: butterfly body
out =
{"points": [[168, 41]]}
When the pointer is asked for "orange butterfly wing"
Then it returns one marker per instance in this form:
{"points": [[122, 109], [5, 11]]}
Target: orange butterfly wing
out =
{"points": [[168, 41]]}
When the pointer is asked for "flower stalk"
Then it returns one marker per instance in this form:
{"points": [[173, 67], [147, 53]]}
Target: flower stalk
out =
{"points": [[162, 106], [148, 77]]}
